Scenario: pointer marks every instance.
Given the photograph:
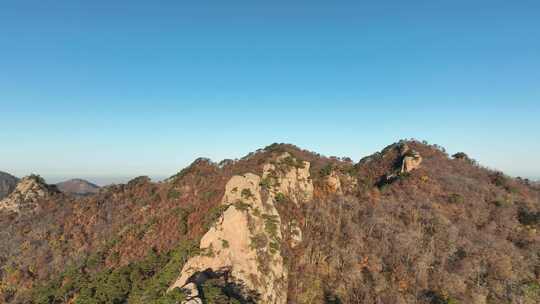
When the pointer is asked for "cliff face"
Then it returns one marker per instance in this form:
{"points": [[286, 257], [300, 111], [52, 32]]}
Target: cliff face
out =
{"points": [[245, 243], [238, 245], [7, 184], [408, 224]]}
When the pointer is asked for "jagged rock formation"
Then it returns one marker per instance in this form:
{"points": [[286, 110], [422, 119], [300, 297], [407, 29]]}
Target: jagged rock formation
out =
{"points": [[411, 159], [245, 243], [290, 177], [240, 246], [78, 187], [7, 184], [27, 193]]}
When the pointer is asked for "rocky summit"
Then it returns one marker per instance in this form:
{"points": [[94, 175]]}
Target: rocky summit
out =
{"points": [[27, 194], [408, 224]]}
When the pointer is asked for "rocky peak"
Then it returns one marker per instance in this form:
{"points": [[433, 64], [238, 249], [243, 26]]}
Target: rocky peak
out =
{"points": [[247, 230], [244, 244], [27, 193]]}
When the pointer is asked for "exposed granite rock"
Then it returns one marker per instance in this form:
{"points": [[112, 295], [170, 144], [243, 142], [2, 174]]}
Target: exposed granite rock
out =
{"points": [[289, 177], [411, 159], [27, 193], [244, 245], [411, 162]]}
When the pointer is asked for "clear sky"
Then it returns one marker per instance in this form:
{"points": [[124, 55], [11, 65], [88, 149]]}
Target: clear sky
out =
{"points": [[112, 89]]}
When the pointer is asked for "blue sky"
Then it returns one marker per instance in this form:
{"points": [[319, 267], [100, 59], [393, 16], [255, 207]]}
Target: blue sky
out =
{"points": [[112, 89]]}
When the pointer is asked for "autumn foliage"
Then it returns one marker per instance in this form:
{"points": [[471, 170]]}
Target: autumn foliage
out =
{"points": [[448, 232]]}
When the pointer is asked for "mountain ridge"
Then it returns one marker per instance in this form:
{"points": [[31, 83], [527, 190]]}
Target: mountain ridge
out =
{"points": [[347, 233]]}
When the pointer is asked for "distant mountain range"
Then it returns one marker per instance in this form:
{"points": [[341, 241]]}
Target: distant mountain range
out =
{"points": [[8, 183], [78, 187]]}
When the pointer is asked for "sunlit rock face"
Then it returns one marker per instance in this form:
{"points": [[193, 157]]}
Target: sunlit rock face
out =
{"points": [[290, 177], [244, 246], [411, 159]]}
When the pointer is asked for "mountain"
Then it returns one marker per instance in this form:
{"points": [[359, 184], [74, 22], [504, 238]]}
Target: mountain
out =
{"points": [[78, 187], [7, 183], [408, 224], [27, 194]]}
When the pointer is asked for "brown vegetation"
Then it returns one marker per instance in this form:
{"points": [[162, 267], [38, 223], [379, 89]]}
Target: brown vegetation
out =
{"points": [[447, 232]]}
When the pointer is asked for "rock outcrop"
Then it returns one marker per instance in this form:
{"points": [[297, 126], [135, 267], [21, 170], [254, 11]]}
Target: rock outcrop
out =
{"points": [[27, 193], [290, 177], [244, 245], [411, 159]]}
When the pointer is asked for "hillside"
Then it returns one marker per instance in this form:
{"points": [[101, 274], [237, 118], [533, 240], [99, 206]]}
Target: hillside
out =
{"points": [[7, 183], [78, 187], [408, 224]]}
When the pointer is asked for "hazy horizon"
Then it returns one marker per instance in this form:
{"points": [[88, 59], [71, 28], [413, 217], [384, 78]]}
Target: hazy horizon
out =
{"points": [[103, 180]]}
